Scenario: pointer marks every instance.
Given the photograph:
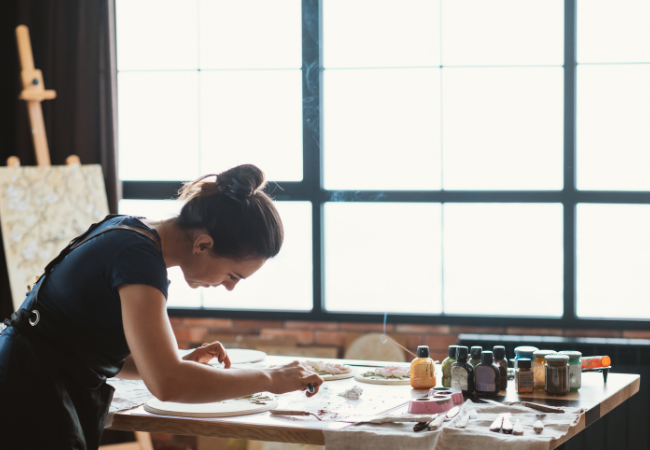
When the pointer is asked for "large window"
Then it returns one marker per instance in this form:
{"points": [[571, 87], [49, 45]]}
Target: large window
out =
{"points": [[444, 161]]}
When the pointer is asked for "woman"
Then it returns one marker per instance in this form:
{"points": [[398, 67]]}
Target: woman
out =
{"points": [[100, 311]]}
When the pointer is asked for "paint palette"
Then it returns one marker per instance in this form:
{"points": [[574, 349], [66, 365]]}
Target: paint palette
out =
{"points": [[371, 377]]}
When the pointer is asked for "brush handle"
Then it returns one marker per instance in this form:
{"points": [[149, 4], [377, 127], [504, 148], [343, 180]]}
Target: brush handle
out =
{"points": [[288, 412], [543, 408]]}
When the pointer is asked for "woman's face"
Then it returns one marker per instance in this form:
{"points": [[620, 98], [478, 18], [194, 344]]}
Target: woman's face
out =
{"points": [[203, 269]]}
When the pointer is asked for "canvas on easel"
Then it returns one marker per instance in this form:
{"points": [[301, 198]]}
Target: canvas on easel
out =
{"points": [[41, 210]]}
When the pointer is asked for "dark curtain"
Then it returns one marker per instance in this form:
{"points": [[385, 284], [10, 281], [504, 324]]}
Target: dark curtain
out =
{"points": [[73, 45]]}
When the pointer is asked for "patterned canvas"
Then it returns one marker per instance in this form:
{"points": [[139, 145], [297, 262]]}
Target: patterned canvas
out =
{"points": [[41, 210]]}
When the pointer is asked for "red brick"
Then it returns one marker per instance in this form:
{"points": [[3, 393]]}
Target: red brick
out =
{"points": [[632, 334], [191, 334], [185, 345], [176, 320], [478, 330], [535, 331], [337, 338], [302, 336], [426, 329], [257, 324], [311, 325], [438, 356], [439, 342], [366, 327], [593, 333], [210, 323], [413, 340]]}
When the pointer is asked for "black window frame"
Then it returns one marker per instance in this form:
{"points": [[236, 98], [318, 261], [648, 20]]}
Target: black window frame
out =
{"points": [[311, 189]]}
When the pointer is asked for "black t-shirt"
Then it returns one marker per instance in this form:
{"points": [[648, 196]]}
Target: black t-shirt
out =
{"points": [[83, 287]]}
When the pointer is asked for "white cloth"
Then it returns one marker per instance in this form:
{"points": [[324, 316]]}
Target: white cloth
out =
{"points": [[476, 435], [128, 394]]}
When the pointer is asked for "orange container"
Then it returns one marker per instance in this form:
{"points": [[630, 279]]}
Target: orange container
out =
{"points": [[595, 362]]}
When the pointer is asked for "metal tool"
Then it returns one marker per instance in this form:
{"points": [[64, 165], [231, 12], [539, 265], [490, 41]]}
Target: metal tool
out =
{"points": [[424, 425], [543, 408], [288, 412]]}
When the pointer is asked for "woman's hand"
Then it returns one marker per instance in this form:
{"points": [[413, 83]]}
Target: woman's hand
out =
{"points": [[206, 352], [293, 377]]}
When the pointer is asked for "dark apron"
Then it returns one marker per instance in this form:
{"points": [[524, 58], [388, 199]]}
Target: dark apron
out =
{"points": [[56, 395]]}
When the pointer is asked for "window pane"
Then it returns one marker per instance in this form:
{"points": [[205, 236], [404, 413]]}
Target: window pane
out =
{"points": [[503, 128], [158, 125], [284, 282], [381, 33], [180, 295], [502, 32], [382, 129], [613, 31], [252, 117], [613, 137], [382, 257], [503, 259], [613, 261], [156, 34], [250, 34]]}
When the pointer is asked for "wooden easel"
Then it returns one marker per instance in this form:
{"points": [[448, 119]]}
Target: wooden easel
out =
{"points": [[34, 93]]}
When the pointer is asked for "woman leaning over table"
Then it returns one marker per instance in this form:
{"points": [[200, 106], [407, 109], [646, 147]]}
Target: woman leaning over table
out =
{"points": [[102, 313]]}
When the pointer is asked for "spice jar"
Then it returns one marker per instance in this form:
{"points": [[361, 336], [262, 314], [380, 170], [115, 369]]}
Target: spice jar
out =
{"points": [[524, 380], [557, 375], [525, 351], [575, 369], [538, 366], [475, 355]]}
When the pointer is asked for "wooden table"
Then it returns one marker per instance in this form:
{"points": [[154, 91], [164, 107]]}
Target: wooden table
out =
{"points": [[595, 397]]}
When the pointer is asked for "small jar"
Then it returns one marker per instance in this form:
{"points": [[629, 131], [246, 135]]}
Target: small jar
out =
{"points": [[525, 351], [501, 361], [575, 369], [538, 366], [475, 355], [557, 375], [524, 380]]}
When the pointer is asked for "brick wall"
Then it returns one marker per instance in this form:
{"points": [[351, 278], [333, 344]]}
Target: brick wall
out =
{"points": [[191, 332]]}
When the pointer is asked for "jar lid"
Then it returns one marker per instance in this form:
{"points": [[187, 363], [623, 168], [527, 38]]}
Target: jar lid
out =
{"points": [[523, 363], [461, 353], [557, 360], [499, 351], [525, 349], [475, 351], [543, 353], [451, 352], [423, 351], [487, 357], [573, 354]]}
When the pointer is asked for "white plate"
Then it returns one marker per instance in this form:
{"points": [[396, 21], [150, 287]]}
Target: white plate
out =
{"points": [[228, 408]]}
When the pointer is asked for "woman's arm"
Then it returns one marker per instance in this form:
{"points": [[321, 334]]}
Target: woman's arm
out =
{"points": [[169, 378]]}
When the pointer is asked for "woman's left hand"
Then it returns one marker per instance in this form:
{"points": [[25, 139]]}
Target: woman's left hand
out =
{"points": [[206, 352]]}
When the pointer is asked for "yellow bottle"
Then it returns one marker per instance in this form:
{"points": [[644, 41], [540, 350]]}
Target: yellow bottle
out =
{"points": [[423, 370]]}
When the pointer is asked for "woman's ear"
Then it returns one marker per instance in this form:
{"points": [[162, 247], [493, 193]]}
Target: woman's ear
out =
{"points": [[202, 243]]}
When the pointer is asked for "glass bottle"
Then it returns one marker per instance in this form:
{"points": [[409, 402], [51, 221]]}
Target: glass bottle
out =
{"points": [[487, 375], [524, 378], [501, 361], [462, 372], [446, 366], [524, 351], [475, 355], [538, 366], [422, 370], [575, 369], [557, 375]]}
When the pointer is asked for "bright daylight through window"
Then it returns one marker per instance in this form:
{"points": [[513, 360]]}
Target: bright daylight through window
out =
{"points": [[428, 157]]}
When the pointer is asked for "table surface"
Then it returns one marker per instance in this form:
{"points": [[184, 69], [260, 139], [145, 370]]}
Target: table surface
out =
{"points": [[595, 397]]}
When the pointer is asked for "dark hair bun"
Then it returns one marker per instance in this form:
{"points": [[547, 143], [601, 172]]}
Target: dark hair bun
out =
{"points": [[234, 208]]}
